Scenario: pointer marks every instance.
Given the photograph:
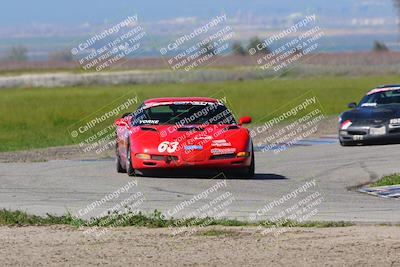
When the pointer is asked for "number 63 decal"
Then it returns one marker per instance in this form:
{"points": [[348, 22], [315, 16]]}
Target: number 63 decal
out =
{"points": [[170, 147]]}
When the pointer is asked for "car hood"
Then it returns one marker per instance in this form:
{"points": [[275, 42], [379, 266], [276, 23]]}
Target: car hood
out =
{"points": [[379, 114]]}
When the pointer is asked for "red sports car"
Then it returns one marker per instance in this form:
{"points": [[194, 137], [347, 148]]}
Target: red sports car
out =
{"points": [[165, 135]]}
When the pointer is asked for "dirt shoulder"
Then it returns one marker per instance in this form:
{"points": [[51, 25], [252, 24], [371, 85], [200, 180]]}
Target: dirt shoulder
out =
{"points": [[67, 246], [53, 153]]}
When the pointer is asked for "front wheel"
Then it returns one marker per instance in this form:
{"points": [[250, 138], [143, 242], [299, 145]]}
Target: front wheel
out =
{"points": [[248, 172], [251, 169], [129, 168], [118, 162]]}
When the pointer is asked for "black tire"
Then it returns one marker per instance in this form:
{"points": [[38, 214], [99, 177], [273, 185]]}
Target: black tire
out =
{"points": [[129, 169], [248, 172], [252, 168], [118, 164]]}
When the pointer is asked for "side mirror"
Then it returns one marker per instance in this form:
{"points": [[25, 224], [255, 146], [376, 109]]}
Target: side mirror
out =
{"points": [[244, 120], [121, 122], [352, 105]]}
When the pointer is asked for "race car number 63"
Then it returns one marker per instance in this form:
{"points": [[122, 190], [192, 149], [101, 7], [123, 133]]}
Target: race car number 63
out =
{"points": [[170, 147]]}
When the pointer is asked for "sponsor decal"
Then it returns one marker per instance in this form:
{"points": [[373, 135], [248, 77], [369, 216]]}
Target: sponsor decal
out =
{"points": [[192, 103], [220, 143], [205, 137], [198, 103], [194, 147], [346, 125], [369, 105], [149, 122], [223, 151]]}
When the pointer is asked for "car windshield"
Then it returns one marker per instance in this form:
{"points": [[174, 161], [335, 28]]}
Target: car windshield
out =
{"points": [[184, 114], [381, 98]]}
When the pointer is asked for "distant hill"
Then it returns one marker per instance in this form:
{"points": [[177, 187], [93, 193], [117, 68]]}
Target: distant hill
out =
{"points": [[47, 26]]}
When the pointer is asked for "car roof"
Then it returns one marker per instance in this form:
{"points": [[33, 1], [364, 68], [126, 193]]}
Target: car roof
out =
{"points": [[388, 86], [384, 88], [179, 99]]}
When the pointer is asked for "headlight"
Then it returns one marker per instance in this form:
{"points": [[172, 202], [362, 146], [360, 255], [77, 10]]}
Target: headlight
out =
{"points": [[243, 154], [346, 124], [143, 156]]}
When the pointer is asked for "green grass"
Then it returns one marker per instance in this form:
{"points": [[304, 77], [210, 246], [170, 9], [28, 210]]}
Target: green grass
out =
{"points": [[40, 117], [153, 220], [78, 69], [393, 179]]}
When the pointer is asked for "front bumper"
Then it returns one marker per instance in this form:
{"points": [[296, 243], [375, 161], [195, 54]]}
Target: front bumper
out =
{"points": [[218, 164], [370, 134]]}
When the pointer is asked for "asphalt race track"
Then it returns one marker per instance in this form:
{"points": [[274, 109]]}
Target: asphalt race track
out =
{"points": [[60, 186]]}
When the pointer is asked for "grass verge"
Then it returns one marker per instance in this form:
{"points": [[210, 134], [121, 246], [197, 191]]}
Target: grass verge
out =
{"points": [[154, 220], [393, 179]]}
